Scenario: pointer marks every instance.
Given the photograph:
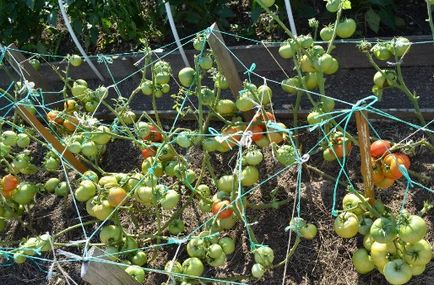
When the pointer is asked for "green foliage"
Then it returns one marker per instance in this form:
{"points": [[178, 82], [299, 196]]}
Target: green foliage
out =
{"points": [[378, 13]]}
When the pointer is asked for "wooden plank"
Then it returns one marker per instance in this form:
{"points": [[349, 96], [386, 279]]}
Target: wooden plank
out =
{"points": [[101, 273], [51, 139], [226, 65], [365, 157]]}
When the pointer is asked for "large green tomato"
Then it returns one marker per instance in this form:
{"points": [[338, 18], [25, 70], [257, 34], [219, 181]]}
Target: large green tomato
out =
{"points": [[368, 241], [352, 203], [227, 244], [383, 230], [418, 253], [173, 266], [380, 253], [226, 183], [110, 234], [346, 225], [362, 261], [253, 157], [309, 231], [196, 247], [346, 28], [192, 266], [411, 228], [258, 270], [85, 191], [249, 176], [140, 258], [170, 199], [136, 272], [264, 256], [397, 272], [25, 193]]}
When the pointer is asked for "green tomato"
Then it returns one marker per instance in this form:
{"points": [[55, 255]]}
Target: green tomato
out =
{"points": [[225, 107], [253, 157], [89, 149], [196, 247], [102, 211], [346, 28], [215, 251], [244, 103], [176, 227], [10, 138], [258, 270], [75, 60], [226, 183], [19, 257], [381, 51], [314, 118], [227, 244], [327, 104], [333, 68], [227, 223], [310, 81], [326, 63], [267, 3], [173, 266], [207, 96], [155, 165], [23, 140], [291, 85], [287, 49], [305, 41], [362, 261], [285, 155], [264, 255], [333, 5], [203, 190], [101, 136], [186, 76], [249, 176], [400, 46], [85, 191], [183, 139], [51, 184], [326, 33], [36, 64], [218, 261], [110, 234], [352, 203], [383, 230], [381, 252], [264, 93], [397, 272], [25, 193], [309, 231], [368, 241], [136, 272], [205, 62], [346, 225], [170, 199], [192, 266], [418, 253], [412, 228], [417, 269], [62, 189]]}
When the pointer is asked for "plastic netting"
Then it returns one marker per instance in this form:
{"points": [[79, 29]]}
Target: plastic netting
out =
{"points": [[239, 142]]}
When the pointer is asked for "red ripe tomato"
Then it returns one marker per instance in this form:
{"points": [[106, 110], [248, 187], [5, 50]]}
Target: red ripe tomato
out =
{"points": [[9, 183], [379, 148], [148, 152], [391, 166], [218, 205], [257, 132], [154, 135]]}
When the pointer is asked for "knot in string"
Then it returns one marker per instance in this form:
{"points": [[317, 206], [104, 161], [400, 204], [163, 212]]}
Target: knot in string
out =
{"points": [[250, 70], [277, 127], [104, 59], [246, 139]]}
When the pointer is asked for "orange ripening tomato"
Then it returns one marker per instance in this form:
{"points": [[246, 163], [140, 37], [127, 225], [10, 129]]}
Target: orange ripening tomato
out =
{"points": [[70, 123], [379, 148], [54, 116], [9, 183], [7, 194], [385, 183], [148, 152], [231, 133], [275, 137], [257, 132], [403, 159], [260, 117], [218, 205], [116, 196], [391, 166], [339, 148]]}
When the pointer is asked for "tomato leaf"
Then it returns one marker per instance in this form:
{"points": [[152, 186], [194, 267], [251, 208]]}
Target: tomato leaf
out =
{"points": [[346, 5], [373, 20]]}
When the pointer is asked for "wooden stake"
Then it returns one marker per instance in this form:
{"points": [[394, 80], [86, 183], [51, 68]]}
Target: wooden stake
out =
{"points": [[25, 70], [365, 157], [226, 64], [102, 273]]}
